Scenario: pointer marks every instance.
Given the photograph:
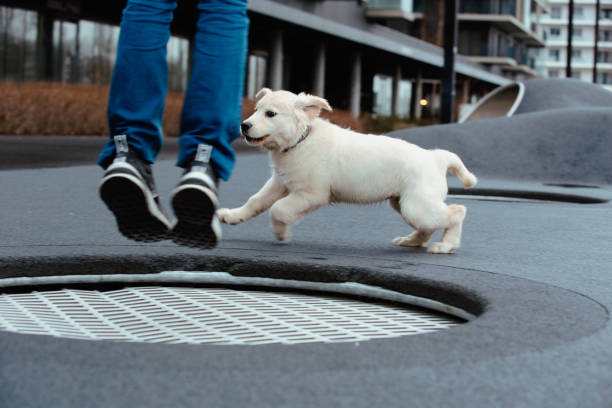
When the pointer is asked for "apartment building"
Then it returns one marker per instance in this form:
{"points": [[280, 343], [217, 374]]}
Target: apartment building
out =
{"points": [[552, 61], [495, 33], [500, 33]]}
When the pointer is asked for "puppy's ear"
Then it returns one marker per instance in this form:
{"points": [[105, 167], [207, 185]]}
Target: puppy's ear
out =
{"points": [[311, 104], [262, 92]]}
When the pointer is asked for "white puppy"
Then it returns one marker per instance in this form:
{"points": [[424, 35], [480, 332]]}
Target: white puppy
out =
{"points": [[316, 163]]}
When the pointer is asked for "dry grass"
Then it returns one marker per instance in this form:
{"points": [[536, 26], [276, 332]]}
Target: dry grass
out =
{"points": [[42, 108]]}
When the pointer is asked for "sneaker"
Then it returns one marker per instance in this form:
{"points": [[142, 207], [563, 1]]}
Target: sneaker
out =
{"points": [[129, 192], [195, 203]]}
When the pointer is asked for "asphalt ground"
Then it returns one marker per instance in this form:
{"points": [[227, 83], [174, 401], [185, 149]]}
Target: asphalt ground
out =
{"points": [[535, 273]]}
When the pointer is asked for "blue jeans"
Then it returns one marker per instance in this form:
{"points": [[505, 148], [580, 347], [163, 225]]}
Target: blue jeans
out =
{"points": [[213, 100]]}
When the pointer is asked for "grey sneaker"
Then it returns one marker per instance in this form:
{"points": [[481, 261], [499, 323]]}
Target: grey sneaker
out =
{"points": [[195, 203], [128, 190]]}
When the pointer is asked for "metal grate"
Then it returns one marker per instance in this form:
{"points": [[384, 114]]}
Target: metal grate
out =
{"points": [[211, 315]]}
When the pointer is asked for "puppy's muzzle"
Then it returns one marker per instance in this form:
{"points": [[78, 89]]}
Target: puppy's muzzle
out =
{"points": [[244, 127]]}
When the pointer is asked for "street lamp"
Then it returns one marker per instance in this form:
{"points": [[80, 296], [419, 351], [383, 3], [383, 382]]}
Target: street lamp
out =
{"points": [[570, 34]]}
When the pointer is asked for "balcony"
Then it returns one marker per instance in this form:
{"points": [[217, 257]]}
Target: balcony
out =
{"points": [[508, 57], [501, 14], [506, 7], [385, 9], [506, 23]]}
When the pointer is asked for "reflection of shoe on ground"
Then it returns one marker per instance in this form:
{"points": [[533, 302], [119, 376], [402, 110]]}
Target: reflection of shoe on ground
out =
{"points": [[129, 192], [195, 203]]}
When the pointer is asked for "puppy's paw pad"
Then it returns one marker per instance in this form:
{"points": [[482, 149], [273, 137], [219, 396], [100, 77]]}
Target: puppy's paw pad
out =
{"points": [[410, 241], [283, 238], [440, 248], [282, 234], [228, 216], [283, 242], [399, 241]]}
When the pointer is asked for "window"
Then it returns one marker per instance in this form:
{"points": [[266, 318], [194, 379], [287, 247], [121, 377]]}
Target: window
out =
{"points": [[555, 12], [577, 54], [553, 73], [555, 32], [604, 78], [383, 94], [554, 55], [577, 33], [578, 12], [604, 56], [606, 14], [576, 74]]}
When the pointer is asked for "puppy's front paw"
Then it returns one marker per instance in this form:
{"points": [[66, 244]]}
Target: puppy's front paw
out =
{"points": [[281, 231], [228, 216]]}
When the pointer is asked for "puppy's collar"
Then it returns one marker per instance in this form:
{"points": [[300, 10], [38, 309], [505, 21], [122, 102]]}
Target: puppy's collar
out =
{"points": [[302, 138]]}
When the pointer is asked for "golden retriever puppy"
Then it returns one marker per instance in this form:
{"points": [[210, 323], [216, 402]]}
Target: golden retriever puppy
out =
{"points": [[316, 163]]}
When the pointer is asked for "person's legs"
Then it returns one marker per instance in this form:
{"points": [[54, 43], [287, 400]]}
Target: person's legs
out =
{"points": [[213, 101], [140, 77], [135, 108], [210, 120]]}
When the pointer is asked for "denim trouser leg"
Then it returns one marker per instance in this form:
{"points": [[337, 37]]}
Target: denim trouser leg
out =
{"points": [[213, 101], [140, 78]]}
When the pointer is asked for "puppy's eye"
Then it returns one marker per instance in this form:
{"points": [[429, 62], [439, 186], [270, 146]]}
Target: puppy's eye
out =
{"points": [[270, 114]]}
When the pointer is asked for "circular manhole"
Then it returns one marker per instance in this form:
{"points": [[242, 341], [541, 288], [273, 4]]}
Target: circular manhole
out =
{"points": [[199, 315]]}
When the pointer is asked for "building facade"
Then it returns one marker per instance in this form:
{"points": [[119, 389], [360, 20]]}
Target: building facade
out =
{"points": [[551, 62], [363, 56], [495, 33]]}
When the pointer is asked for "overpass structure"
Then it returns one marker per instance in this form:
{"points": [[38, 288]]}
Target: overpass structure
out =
{"points": [[327, 47]]}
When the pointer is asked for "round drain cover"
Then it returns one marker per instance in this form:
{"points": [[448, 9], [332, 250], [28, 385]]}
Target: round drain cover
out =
{"points": [[211, 315]]}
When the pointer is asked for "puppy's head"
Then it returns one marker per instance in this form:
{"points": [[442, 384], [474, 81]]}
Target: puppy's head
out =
{"points": [[280, 118]]}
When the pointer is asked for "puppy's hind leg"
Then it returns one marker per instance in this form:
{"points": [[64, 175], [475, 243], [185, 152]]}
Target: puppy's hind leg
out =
{"points": [[418, 238], [452, 233], [429, 214]]}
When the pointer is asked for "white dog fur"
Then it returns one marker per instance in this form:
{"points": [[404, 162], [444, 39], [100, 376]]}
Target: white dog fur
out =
{"points": [[333, 165]]}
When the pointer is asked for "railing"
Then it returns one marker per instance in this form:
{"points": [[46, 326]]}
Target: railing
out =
{"points": [[401, 5]]}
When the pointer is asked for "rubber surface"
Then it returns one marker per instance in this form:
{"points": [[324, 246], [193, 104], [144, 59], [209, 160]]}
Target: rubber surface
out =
{"points": [[536, 273]]}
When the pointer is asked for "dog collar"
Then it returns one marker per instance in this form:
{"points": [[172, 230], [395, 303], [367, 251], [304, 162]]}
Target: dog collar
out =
{"points": [[304, 136]]}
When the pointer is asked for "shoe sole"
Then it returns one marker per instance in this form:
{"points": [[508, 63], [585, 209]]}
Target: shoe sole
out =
{"points": [[197, 224], [127, 199]]}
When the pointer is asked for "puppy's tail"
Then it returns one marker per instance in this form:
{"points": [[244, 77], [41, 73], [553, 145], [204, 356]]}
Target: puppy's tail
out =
{"points": [[455, 166]]}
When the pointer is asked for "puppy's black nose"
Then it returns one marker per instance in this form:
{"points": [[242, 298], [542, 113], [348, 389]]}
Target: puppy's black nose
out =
{"points": [[245, 126]]}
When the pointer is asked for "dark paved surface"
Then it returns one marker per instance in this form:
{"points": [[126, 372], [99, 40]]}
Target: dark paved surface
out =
{"points": [[538, 273]]}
